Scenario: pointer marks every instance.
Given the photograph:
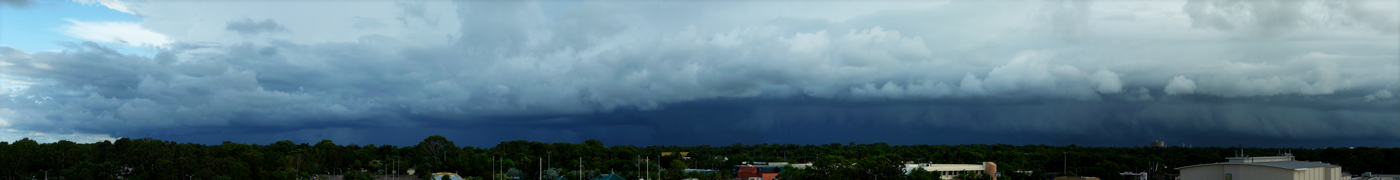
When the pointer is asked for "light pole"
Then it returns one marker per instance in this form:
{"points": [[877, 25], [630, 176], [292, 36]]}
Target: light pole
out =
{"points": [[46, 174], [1065, 168], [493, 167], [540, 169], [648, 164]]}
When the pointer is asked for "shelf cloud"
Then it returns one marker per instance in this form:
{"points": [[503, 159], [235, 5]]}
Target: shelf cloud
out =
{"points": [[700, 73]]}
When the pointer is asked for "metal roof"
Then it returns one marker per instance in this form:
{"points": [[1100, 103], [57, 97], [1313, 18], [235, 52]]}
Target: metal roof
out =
{"points": [[1277, 164]]}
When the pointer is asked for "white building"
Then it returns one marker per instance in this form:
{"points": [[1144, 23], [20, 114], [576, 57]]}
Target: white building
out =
{"points": [[948, 171], [1263, 168]]}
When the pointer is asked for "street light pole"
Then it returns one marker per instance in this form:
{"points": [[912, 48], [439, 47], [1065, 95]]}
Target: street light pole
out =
{"points": [[648, 164], [493, 167], [1065, 168], [46, 174]]}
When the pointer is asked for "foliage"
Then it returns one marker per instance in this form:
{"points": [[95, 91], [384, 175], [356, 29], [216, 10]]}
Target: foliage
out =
{"points": [[677, 164], [921, 174], [358, 175], [513, 172], [156, 159]]}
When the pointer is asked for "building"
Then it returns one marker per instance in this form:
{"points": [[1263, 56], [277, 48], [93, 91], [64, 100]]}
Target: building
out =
{"points": [[759, 172], [1158, 144], [1263, 168], [762, 170], [948, 171]]}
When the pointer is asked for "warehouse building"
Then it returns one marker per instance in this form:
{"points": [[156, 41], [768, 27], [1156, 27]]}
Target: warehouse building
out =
{"points": [[1263, 168], [949, 171]]}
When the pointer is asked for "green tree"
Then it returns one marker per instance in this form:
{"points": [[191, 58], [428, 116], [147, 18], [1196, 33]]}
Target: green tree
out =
{"points": [[881, 166], [677, 164], [437, 148], [922, 174], [358, 175], [797, 173], [18, 157]]}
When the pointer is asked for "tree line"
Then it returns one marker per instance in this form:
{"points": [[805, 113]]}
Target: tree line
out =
{"points": [[156, 159]]}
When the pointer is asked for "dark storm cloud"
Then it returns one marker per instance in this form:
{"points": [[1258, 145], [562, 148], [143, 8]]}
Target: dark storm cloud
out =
{"points": [[664, 73], [248, 26]]}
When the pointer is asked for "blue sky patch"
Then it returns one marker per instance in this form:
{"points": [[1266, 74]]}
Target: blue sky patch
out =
{"points": [[39, 27]]}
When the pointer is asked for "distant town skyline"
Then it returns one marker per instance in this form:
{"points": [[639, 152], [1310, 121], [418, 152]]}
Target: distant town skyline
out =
{"points": [[1056, 72]]}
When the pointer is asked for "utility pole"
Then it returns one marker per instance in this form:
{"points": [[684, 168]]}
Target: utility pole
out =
{"points": [[1065, 168], [580, 168], [658, 164], [648, 163], [493, 167]]}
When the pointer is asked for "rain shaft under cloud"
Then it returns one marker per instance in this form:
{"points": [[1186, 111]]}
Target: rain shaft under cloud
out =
{"points": [[1019, 72]]}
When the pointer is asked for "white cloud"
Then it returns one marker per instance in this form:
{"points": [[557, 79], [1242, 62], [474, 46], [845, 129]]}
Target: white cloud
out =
{"points": [[1307, 74], [125, 33], [1180, 85], [1379, 95], [117, 5], [1278, 17], [808, 42], [1029, 74], [418, 22], [1106, 81], [971, 85]]}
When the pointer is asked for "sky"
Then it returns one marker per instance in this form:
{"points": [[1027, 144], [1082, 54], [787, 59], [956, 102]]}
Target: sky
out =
{"points": [[1287, 73]]}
